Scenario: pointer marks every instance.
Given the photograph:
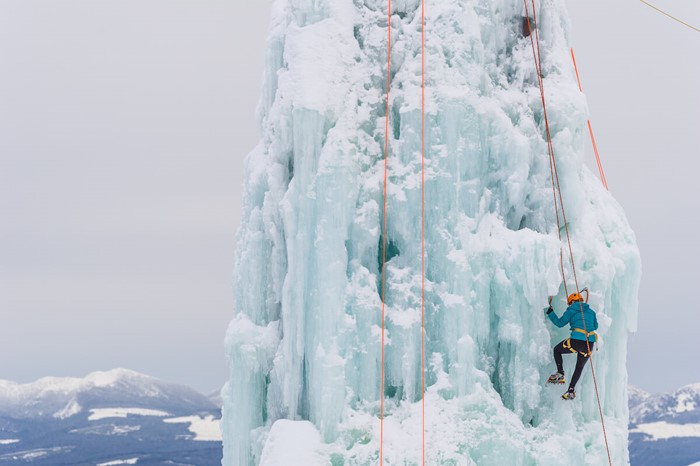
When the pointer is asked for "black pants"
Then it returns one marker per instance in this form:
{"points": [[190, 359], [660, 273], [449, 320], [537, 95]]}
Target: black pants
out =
{"points": [[581, 349]]}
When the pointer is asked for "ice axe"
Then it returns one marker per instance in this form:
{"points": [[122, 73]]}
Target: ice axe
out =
{"points": [[549, 299], [586, 290]]}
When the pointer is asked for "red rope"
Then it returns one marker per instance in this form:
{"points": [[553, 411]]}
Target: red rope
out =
{"points": [[384, 240], [590, 129], [538, 66]]}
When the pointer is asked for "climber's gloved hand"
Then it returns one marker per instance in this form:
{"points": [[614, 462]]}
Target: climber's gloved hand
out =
{"points": [[548, 310]]}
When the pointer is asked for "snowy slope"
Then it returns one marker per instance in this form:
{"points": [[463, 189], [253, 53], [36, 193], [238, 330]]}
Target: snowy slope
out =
{"points": [[665, 428], [108, 417], [305, 343]]}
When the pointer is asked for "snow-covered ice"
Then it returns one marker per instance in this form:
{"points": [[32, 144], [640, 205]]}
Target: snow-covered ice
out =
{"points": [[293, 443], [304, 346]]}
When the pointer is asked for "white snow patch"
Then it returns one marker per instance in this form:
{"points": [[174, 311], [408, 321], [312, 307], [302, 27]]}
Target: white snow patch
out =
{"points": [[105, 413], [106, 429], [116, 462], [204, 428], [121, 430], [71, 409], [663, 430], [293, 443], [685, 403], [8, 441], [30, 455]]}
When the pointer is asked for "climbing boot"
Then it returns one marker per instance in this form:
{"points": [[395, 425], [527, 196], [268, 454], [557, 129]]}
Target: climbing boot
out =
{"points": [[557, 377], [569, 395]]}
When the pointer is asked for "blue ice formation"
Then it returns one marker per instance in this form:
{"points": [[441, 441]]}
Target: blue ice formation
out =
{"points": [[304, 345]]}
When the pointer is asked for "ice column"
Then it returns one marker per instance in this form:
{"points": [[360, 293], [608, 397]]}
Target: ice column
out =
{"points": [[304, 345]]}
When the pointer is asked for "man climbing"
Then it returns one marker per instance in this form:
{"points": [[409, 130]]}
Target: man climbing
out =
{"points": [[583, 323]]}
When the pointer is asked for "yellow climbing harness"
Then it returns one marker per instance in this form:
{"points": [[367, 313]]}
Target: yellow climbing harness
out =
{"points": [[588, 334]]}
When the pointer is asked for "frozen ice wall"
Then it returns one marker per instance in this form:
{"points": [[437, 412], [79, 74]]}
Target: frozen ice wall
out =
{"points": [[304, 346]]}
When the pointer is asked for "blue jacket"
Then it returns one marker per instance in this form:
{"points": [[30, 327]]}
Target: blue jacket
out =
{"points": [[572, 316]]}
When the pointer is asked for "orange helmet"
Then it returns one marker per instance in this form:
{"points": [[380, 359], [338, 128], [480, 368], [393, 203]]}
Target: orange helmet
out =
{"points": [[574, 297]]}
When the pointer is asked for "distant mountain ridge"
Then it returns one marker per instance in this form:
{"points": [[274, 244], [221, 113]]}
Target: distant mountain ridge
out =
{"points": [[665, 428], [112, 416], [680, 406], [67, 396]]}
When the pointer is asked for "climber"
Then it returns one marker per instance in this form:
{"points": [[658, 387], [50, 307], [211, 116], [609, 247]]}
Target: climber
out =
{"points": [[583, 323]]}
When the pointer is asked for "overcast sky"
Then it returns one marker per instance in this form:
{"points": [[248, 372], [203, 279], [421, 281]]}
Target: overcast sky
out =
{"points": [[123, 128]]}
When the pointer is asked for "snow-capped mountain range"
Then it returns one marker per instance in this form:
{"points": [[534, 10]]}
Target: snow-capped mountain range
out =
{"points": [[124, 417], [107, 418], [63, 397], [665, 428]]}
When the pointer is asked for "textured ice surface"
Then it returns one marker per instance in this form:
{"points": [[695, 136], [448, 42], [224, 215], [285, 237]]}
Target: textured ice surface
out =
{"points": [[304, 346]]}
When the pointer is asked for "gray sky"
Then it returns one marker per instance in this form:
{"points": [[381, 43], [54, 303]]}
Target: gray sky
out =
{"points": [[641, 74], [123, 127]]}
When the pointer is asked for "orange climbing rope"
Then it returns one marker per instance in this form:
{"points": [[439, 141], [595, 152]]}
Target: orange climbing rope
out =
{"points": [[550, 150], [384, 232], [553, 163], [384, 237], [590, 129], [422, 235]]}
